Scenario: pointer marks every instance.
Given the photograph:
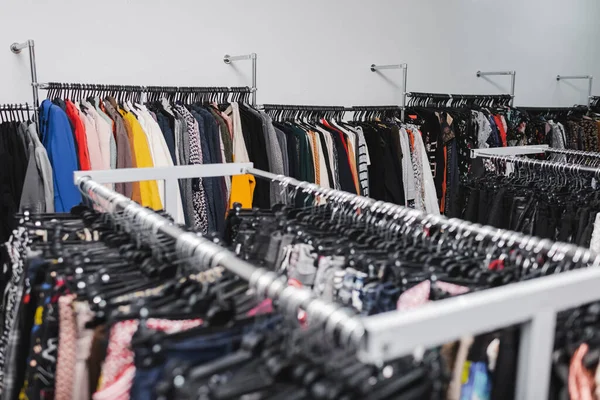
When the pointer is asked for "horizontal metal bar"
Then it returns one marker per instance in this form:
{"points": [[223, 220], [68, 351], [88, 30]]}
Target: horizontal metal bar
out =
{"points": [[484, 73], [388, 66], [162, 173], [227, 59], [395, 334], [542, 164], [17, 47], [510, 151], [559, 77]]}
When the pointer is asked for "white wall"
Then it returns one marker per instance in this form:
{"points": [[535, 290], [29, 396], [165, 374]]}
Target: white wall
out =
{"points": [[310, 51]]}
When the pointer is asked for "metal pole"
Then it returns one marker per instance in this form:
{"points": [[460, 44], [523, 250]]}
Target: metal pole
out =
{"points": [[227, 59], [513, 75], [404, 68], [17, 48], [590, 79]]}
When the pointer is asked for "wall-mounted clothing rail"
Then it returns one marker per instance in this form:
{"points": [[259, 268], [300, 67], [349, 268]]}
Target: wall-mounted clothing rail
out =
{"points": [[542, 164], [590, 79], [512, 74], [227, 59], [404, 68], [422, 99]]}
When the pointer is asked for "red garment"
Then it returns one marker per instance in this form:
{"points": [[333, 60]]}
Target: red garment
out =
{"points": [[80, 136], [501, 129]]}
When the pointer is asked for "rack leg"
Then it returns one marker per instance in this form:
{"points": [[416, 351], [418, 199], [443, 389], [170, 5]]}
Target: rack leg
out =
{"points": [[535, 357]]}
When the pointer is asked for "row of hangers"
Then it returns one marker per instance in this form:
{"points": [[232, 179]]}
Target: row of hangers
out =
{"points": [[282, 112], [16, 112], [139, 94], [419, 99]]}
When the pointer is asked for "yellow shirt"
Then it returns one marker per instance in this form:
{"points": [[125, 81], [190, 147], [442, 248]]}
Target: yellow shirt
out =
{"points": [[143, 159]]}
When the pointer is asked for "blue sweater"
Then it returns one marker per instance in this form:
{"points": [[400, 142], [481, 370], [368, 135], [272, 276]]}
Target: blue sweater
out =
{"points": [[57, 138]]}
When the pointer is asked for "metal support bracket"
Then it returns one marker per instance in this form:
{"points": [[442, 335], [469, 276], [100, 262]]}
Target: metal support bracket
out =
{"points": [[17, 48], [227, 59], [512, 74], [590, 79], [404, 68]]}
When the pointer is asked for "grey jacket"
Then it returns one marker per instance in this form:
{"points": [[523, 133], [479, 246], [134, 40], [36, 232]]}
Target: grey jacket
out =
{"points": [[274, 155], [38, 188], [183, 155], [124, 158]]}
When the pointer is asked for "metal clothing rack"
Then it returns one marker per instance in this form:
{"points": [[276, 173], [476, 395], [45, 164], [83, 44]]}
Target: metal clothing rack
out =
{"points": [[343, 326], [443, 99], [170, 175], [533, 304], [512, 74], [388, 336], [404, 68]]}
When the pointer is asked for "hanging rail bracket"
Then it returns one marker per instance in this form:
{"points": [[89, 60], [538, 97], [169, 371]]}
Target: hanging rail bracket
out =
{"points": [[227, 59], [590, 79], [404, 68], [512, 74]]}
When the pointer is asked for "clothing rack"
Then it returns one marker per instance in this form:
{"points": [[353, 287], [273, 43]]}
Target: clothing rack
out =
{"points": [[170, 175], [341, 324], [542, 164], [392, 335], [424, 99], [18, 108], [512, 74], [534, 304]]}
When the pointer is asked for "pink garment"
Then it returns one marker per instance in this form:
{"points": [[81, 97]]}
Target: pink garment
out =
{"points": [[581, 381], [84, 343], [119, 357], [104, 132], [93, 142], [419, 294], [120, 389], [66, 358], [265, 307]]}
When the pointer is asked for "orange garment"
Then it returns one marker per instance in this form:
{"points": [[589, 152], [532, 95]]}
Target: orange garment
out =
{"points": [[315, 152], [498, 120], [242, 190]]}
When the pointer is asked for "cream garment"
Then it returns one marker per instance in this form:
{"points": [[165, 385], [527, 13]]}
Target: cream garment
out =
{"points": [[324, 177], [485, 129], [161, 156], [240, 154], [332, 163], [226, 178], [431, 203], [595, 242], [455, 385], [408, 174]]}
